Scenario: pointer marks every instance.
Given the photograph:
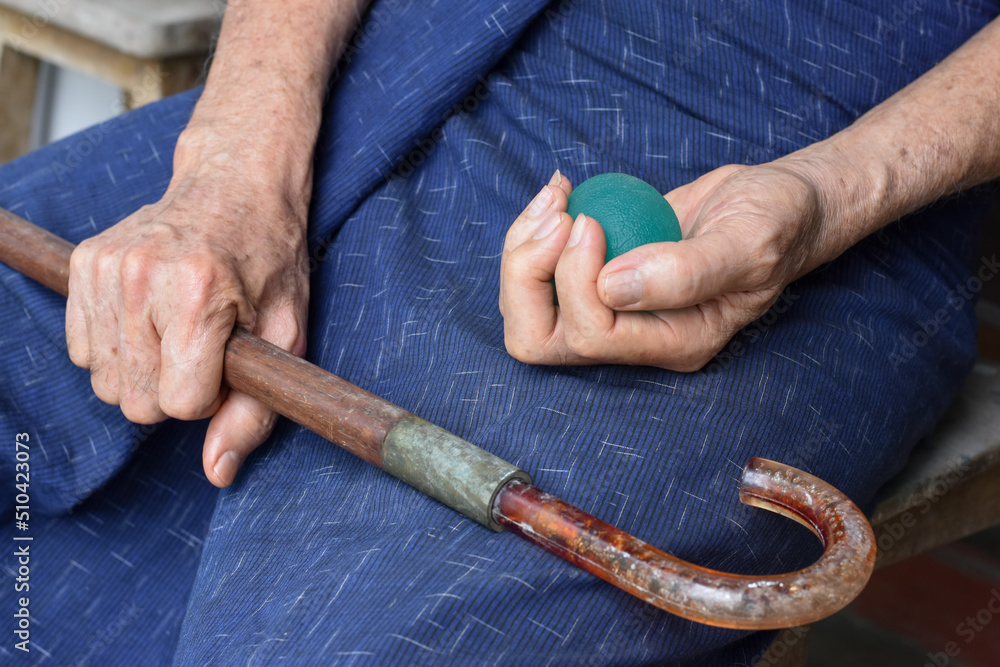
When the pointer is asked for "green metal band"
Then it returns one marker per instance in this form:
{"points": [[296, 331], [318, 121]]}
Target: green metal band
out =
{"points": [[447, 468]]}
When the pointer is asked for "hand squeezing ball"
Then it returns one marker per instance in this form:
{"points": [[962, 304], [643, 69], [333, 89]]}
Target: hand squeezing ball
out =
{"points": [[631, 212]]}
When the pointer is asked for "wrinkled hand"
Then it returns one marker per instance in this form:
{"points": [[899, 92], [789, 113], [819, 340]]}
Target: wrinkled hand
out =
{"points": [[748, 232], [153, 300]]}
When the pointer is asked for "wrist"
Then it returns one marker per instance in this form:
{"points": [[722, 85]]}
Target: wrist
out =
{"points": [[272, 161], [855, 190]]}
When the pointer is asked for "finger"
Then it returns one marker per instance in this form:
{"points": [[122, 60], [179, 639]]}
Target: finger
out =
{"points": [[77, 343], [101, 318], [194, 341], [526, 286], [531, 223], [139, 344], [138, 370], [242, 423], [586, 321], [676, 275], [535, 220]]}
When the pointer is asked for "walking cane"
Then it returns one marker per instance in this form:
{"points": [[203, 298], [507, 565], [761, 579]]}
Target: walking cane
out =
{"points": [[498, 495]]}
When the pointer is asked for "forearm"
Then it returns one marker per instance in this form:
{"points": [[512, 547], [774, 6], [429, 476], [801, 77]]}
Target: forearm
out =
{"points": [[937, 136], [261, 107]]}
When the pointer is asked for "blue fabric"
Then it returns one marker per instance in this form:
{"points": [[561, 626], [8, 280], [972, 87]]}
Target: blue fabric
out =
{"points": [[446, 118]]}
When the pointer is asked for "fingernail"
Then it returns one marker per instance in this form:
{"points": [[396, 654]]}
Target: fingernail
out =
{"points": [[579, 225], [227, 466], [623, 288], [556, 179], [541, 202], [548, 225]]}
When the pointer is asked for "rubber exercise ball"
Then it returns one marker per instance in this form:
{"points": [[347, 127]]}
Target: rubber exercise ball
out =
{"points": [[631, 211]]}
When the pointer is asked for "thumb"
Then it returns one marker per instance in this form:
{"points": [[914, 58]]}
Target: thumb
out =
{"points": [[241, 425], [672, 275]]}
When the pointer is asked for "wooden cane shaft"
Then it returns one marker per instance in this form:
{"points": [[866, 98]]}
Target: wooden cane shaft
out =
{"points": [[341, 412], [35, 252]]}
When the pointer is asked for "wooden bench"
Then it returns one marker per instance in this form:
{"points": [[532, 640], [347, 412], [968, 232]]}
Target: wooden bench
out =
{"points": [[949, 489], [149, 49]]}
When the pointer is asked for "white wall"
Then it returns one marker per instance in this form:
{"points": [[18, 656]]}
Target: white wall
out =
{"points": [[68, 101]]}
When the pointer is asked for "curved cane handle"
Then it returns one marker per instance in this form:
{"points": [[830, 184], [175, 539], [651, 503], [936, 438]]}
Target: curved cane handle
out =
{"points": [[697, 593]]}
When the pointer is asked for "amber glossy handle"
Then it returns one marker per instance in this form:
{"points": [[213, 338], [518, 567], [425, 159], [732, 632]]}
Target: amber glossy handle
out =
{"points": [[696, 593], [497, 494]]}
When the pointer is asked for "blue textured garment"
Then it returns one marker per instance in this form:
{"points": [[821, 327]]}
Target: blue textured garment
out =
{"points": [[446, 119]]}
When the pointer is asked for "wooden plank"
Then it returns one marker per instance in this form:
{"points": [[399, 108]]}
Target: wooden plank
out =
{"points": [[168, 77], [144, 80], [149, 29], [959, 511], [18, 81], [66, 49]]}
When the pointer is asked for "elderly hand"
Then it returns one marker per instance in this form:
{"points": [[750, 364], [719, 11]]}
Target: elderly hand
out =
{"points": [[748, 232], [153, 299]]}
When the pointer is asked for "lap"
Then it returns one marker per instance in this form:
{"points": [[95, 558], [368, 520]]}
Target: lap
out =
{"points": [[312, 553]]}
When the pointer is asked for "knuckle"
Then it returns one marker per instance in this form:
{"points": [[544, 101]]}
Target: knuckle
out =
{"points": [[198, 272], [513, 263], [200, 279], [582, 343], [77, 352], [104, 389], [134, 277], [134, 268], [769, 261], [285, 331], [140, 411], [517, 348], [510, 240], [185, 405], [81, 257], [105, 263]]}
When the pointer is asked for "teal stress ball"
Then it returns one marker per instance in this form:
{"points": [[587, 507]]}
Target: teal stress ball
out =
{"points": [[631, 211]]}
